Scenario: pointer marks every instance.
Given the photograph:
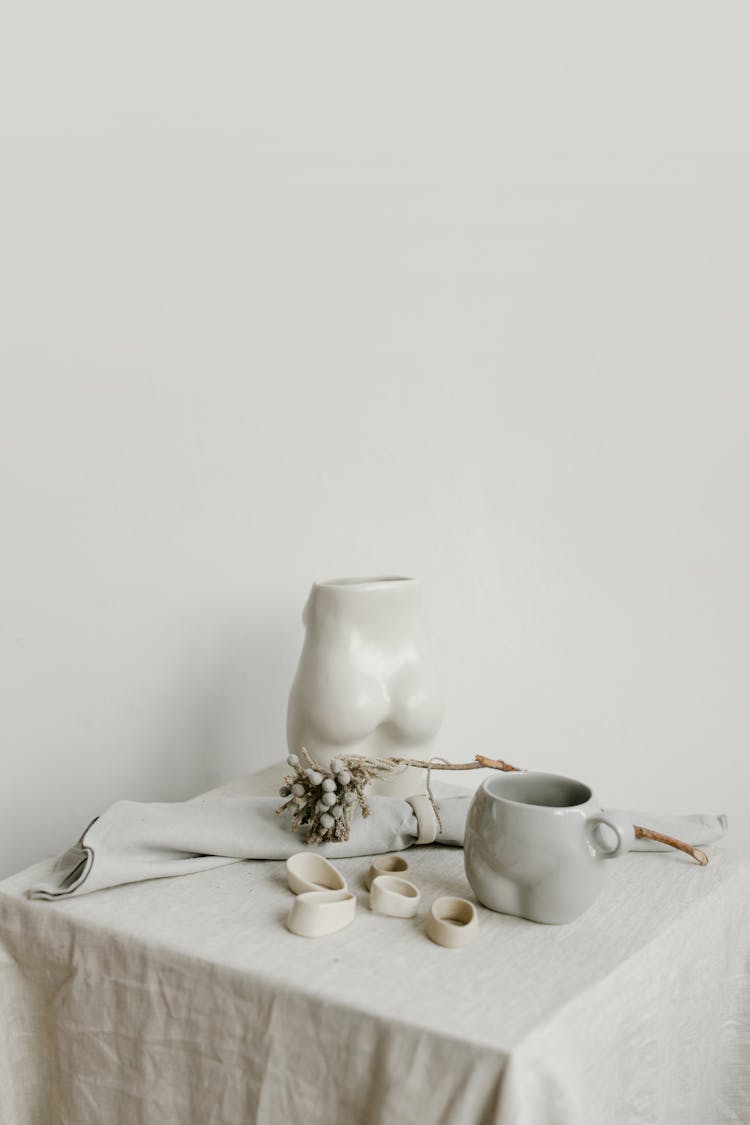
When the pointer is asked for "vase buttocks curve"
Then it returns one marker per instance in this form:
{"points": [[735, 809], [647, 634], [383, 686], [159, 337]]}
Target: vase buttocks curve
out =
{"points": [[365, 682]]}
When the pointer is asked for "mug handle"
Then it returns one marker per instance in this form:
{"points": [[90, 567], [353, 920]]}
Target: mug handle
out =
{"points": [[624, 833]]}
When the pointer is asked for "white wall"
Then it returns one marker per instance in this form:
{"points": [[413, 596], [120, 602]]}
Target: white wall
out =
{"points": [[296, 291]]}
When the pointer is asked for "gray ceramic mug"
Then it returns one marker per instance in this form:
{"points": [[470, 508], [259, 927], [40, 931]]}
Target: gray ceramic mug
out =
{"points": [[534, 847]]}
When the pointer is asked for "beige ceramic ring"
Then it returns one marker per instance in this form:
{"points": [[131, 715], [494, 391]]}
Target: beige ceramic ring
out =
{"points": [[318, 913], [386, 865], [427, 825], [452, 922], [307, 871], [397, 897]]}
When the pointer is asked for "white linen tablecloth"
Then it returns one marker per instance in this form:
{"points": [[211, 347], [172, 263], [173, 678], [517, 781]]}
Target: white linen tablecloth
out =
{"points": [[187, 1002]]}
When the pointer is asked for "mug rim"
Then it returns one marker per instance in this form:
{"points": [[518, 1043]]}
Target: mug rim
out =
{"points": [[505, 777]]}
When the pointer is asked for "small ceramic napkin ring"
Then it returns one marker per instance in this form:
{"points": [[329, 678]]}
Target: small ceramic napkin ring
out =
{"points": [[394, 896], [386, 865], [427, 825], [318, 913], [307, 871], [452, 922]]}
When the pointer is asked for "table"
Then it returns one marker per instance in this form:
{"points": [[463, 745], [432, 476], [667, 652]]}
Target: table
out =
{"points": [[187, 1001]]}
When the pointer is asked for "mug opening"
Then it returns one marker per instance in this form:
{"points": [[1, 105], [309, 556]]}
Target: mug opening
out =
{"points": [[543, 790]]}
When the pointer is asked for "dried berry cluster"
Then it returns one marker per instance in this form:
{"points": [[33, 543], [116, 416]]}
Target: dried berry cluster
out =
{"points": [[323, 801]]}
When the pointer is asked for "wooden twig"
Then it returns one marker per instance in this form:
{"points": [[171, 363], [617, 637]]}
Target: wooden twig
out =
{"points": [[479, 763], [496, 764], [670, 841]]}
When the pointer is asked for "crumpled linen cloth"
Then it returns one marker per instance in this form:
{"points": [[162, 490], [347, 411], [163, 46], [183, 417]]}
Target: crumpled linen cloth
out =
{"points": [[135, 841], [187, 1001]]}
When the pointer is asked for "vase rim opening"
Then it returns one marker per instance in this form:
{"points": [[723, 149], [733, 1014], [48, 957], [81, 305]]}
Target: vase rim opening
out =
{"points": [[370, 582]]}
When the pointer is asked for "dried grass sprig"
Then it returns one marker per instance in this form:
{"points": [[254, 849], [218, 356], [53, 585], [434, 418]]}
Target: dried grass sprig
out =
{"points": [[322, 800]]}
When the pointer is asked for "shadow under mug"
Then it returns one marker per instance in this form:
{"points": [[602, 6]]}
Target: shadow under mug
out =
{"points": [[536, 845]]}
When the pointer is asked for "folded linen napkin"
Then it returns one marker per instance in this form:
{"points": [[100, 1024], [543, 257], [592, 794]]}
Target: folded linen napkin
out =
{"points": [[133, 841]]}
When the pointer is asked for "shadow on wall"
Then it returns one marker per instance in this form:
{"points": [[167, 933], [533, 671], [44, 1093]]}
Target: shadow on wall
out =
{"points": [[226, 716]]}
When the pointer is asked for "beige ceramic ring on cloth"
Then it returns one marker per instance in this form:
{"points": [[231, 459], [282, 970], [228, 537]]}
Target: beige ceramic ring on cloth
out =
{"points": [[427, 825], [386, 865], [452, 922], [318, 913], [307, 871], [397, 897]]}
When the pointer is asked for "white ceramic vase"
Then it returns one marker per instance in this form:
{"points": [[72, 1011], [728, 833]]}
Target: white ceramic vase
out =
{"points": [[365, 682]]}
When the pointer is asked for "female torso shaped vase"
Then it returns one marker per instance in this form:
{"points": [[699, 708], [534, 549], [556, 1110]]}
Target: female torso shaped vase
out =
{"points": [[365, 683]]}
